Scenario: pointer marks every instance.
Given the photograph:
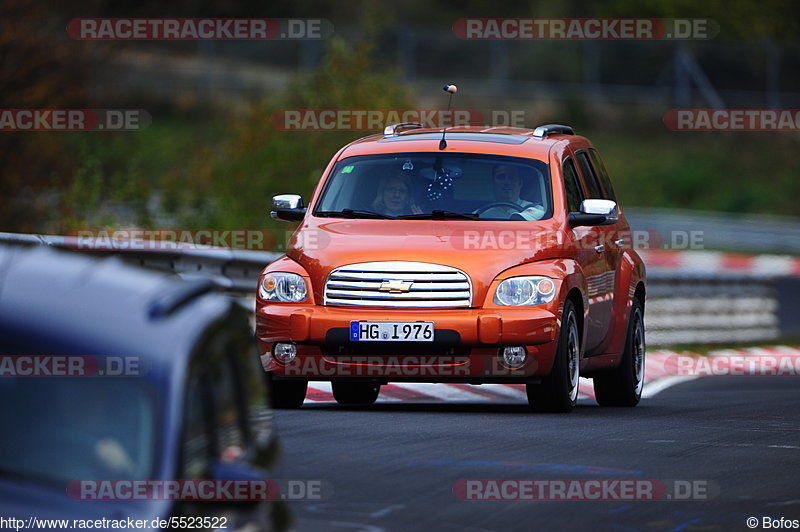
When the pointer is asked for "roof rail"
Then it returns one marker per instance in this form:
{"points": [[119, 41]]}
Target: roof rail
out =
{"points": [[394, 129], [552, 129]]}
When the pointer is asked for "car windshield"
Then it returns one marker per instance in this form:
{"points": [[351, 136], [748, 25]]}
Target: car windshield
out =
{"points": [[437, 186], [67, 428]]}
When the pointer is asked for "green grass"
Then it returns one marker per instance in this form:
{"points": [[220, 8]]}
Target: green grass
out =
{"points": [[722, 171]]}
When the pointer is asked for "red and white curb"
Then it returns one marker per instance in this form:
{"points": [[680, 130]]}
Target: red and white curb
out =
{"points": [[661, 372], [721, 262]]}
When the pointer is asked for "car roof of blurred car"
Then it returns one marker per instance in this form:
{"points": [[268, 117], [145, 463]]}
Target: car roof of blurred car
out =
{"points": [[67, 301]]}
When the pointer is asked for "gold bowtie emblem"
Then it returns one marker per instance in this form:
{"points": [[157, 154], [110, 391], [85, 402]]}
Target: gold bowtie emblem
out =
{"points": [[395, 286]]}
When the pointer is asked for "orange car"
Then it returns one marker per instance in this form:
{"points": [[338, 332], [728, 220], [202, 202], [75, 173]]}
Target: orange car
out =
{"points": [[497, 256]]}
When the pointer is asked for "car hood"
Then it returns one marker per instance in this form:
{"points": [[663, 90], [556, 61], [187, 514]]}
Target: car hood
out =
{"points": [[482, 249]]}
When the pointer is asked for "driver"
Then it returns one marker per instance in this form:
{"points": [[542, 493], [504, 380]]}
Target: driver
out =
{"points": [[394, 196], [507, 184]]}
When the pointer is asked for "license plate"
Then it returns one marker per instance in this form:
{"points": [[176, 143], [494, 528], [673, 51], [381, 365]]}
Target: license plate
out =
{"points": [[391, 331]]}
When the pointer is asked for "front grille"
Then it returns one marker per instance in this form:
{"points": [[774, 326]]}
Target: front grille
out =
{"points": [[432, 285]]}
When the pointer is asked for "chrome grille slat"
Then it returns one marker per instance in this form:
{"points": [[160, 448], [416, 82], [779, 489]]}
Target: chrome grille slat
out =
{"points": [[407, 295], [379, 276], [395, 304], [416, 287], [433, 285]]}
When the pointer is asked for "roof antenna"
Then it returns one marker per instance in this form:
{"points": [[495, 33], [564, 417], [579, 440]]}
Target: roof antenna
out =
{"points": [[452, 89]]}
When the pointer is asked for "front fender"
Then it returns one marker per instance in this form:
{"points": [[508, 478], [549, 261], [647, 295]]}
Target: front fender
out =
{"points": [[566, 273]]}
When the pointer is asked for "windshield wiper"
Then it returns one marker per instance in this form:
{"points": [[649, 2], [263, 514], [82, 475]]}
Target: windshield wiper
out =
{"points": [[355, 213], [440, 215]]}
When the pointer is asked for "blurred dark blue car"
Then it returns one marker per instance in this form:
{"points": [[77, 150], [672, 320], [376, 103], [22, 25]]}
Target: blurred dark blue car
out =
{"points": [[170, 387]]}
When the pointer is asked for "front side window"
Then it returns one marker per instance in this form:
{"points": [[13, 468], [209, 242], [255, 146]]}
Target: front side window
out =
{"points": [[65, 428], [226, 417], [434, 186]]}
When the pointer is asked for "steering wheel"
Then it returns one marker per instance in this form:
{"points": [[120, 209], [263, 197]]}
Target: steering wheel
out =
{"points": [[481, 210]]}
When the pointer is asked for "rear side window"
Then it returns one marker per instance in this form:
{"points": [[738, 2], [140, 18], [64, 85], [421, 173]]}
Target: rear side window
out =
{"points": [[572, 187], [602, 173], [198, 446], [589, 176]]}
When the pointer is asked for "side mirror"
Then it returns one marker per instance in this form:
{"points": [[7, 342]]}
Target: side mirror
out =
{"points": [[236, 470], [288, 208], [239, 470], [595, 212]]}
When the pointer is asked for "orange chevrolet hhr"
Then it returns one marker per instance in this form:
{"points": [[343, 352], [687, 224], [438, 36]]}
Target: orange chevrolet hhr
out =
{"points": [[471, 255]]}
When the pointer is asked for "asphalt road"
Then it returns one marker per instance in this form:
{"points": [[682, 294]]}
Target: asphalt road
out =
{"points": [[393, 466]]}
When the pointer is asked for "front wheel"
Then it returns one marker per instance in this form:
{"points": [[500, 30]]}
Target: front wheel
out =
{"points": [[286, 394], [355, 393], [558, 392], [622, 386]]}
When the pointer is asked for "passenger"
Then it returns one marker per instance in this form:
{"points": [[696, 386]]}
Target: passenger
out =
{"points": [[507, 184], [394, 196]]}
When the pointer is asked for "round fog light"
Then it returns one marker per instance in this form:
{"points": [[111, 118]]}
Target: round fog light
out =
{"points": [[514, 357], [284, 353]]}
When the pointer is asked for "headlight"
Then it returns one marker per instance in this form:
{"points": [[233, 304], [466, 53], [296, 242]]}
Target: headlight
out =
{"points": [[283, 286], [529, 290]]}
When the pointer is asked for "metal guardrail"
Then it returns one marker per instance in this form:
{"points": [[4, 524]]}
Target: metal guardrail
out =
{"points": [[682, 307], [232, 270], [735, 232]]}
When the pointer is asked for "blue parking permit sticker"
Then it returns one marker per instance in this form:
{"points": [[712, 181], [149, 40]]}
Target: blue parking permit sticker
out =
{"points": [[354, 331]]}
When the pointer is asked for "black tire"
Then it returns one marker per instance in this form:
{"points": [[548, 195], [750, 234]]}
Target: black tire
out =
{"points": [[286, 394], [623, 385], [355, 393], [558, 392]]}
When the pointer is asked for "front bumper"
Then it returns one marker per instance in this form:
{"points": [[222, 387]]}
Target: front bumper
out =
{"points": [[465, 347]]}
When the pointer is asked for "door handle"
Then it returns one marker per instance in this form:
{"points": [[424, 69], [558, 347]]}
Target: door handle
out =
{"points": [[600, 248], [619, 241]]}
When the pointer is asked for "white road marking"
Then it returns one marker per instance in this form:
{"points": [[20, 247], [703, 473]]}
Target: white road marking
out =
{"points": [[655, 387], [657, 379]]}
